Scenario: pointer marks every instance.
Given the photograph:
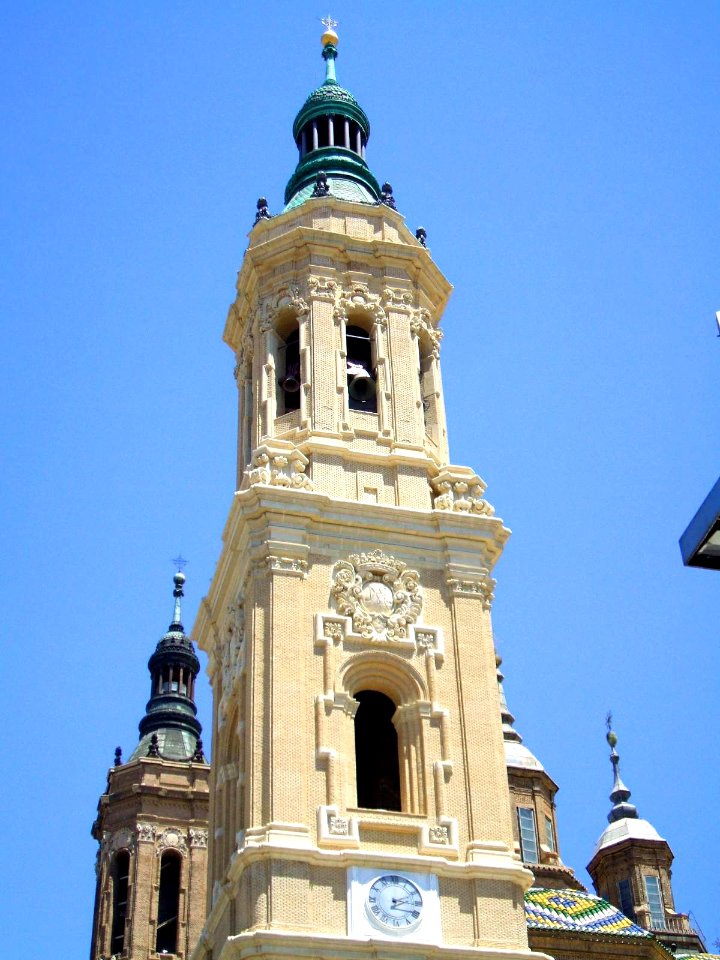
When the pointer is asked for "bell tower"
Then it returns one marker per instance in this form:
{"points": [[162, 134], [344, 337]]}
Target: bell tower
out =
{"points": [[359, 790], [151, 822]]}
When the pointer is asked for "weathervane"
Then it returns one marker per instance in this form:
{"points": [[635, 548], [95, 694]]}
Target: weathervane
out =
{"points": [[179, 562]]}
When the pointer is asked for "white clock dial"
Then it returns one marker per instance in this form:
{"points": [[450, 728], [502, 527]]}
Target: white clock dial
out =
{"points": [[395, 903]]}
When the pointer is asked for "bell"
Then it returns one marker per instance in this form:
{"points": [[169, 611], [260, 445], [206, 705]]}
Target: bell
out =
{"points": [[362, 385], [291, 381]]}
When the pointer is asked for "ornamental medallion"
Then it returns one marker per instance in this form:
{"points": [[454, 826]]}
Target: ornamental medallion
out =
{"points": [[379, 593]]}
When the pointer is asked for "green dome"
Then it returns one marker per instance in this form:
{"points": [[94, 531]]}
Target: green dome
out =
{"points": [[331, 98]]}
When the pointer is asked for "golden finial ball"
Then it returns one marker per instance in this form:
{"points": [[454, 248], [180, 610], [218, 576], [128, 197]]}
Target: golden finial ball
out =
{"points": [[611, 738], [329, 37]]}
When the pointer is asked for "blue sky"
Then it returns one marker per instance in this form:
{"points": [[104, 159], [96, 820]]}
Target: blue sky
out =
{"points": [[563, 159]]}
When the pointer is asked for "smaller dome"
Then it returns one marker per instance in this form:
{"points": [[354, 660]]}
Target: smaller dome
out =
{"points": [[330, 91], [518, 755], [629, 828]]}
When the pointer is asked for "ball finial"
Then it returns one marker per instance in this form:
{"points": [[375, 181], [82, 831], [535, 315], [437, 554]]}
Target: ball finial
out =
{"points": [[329, 36]]}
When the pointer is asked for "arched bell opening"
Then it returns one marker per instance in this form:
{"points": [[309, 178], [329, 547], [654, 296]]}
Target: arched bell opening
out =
{"points": [[428, 389], [377, 763], [289, 364], [166, 938], [120, 875], [360, 365]]}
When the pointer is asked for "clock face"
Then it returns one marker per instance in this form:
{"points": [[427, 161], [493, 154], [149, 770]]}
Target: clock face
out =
{"points": [[394, 903]]}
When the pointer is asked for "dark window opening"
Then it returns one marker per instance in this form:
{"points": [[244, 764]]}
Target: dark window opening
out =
{"points": [[168, 904], [376, 752], [339, 131], [120, 881], [626, 900], [360, 376], [289, 362]]}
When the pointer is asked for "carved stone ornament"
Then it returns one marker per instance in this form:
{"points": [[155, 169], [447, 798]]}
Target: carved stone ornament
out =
{"points": [[338, 826], [145, 832], [461, 490], [379, 593], [439, 834], [123, 839], [482, 587], [358, 297], [420, 324], [426, 639], [397, 297], [288, 565], [198, 838], [279, 469], [286, 298], [173, 838], [321, 288]]}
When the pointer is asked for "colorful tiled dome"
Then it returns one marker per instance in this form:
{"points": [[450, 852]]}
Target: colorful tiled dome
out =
{"points": [[572, 910]]}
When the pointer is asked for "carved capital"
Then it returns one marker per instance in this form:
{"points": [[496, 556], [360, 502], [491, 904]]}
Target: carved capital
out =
{"points": [[289, 565], [145, 832], [322, 288], [198, 838], [279, 467], [481, 585], [398, 298], [461, 490]]}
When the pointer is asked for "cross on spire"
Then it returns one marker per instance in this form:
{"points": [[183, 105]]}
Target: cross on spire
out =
{"points": [[179, 562], [328, 22]]}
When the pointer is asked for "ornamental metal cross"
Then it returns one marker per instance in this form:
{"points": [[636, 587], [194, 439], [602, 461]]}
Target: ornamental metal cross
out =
{"points": [[179, 562], [328, 22]]}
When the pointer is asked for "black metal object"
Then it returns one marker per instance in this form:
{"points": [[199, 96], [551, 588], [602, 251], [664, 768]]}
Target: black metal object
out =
{"points": [[421, 235], [262, 211], [321, 188], [386, 196]]}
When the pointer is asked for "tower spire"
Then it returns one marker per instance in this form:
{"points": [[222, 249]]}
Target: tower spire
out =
{"points": [[331, 132], [329, 41], [178, 593], [170, 728], [510, 734], [620, 793]]}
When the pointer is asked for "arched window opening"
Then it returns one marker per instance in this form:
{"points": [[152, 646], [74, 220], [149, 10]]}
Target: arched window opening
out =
{"points": [[339, 131], [289, 364], [323, 129], [428, 392], [120, 886], [168, 903], [376, 752], [171, 681], [360, 375]]}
